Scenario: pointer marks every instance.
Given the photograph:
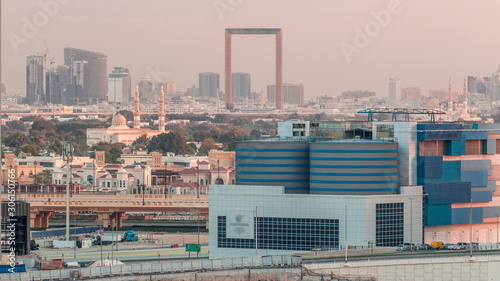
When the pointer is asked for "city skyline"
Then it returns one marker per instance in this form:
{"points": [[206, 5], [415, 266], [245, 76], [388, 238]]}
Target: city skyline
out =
{"points": [[330, 46]]}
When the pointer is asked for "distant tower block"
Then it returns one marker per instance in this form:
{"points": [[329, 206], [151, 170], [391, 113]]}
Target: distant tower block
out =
{"points": [[137, 112], [228, 95], [161, 112]]}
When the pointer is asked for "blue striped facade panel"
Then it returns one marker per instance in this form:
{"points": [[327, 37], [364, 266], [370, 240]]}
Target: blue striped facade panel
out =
{"points": [[477, 165], [475, 135], [430, 167], [448, 192], [274, 163], [490, 147], [476, 178], [354, 168], [481, 196], [438, 214], [461, 215]]}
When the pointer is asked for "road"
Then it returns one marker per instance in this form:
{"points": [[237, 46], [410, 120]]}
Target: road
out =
{"points": [[94, 254]]}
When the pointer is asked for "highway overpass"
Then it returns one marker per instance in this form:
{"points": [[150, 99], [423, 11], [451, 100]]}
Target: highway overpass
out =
{"points": [[110, 208]]}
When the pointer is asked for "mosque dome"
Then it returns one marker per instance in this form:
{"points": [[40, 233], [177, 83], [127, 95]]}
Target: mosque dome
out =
{"points": [[118, 121]]}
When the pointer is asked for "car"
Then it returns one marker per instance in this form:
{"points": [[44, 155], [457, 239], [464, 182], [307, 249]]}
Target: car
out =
{"points": [[463, 245], [451, 246], [410, 246], [425, 247], [437, 245], [402, 247]]}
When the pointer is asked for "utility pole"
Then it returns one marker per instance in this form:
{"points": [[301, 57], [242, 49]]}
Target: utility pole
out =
{"points": [[68, 157], [165, 181], [34, 180]]}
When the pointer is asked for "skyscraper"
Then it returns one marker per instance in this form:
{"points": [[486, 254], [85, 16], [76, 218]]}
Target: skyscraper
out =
{"points": [[97, 69], [394, 88], [292, 93], [80, 79], [209, 84], [119, 86], [34, 79], [241, 86], [59, 86]]}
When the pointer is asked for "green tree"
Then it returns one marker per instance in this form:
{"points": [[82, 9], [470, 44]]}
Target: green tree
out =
{"points": [[32, 149], [172, 142], [44, 177], [16, 140], [17, 125], [112, 151], [129, 115], [206, 146]]}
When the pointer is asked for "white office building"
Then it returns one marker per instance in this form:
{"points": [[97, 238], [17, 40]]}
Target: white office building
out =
{"points": [[250, 220]]}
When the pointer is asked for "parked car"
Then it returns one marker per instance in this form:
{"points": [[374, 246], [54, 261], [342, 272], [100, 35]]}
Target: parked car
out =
{"points": [[475, 246], [463, 245], [425, 247], [402, 247], [450, 246], [410, 246], [437, 245]]}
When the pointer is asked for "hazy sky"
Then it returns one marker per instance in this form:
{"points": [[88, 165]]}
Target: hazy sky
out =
{"points": [[423, 42]]}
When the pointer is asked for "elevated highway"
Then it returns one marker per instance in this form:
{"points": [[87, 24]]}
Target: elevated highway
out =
{"points": [[110, 208]]}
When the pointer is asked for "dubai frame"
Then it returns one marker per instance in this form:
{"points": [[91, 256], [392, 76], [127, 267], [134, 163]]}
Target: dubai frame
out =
{"points": [[228, 78]]}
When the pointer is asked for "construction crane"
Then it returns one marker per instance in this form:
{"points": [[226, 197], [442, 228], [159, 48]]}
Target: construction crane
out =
{"points": [[46, 54]]}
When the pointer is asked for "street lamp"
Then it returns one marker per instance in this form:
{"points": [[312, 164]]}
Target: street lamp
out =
{"points": [[497, 228], [470, 223], [411, 223], [143, 185], [34, 180]]}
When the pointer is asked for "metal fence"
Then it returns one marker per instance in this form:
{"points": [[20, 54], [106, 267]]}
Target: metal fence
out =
{"points": [[158, 268], [62, 232]]}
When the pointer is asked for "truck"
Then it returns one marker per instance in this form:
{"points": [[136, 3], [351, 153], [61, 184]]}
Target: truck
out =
{"points": [[106, 238], [109, 237], [130, 236]]}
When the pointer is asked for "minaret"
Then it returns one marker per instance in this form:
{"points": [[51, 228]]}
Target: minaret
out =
{"points": [[466, 97], [137, 113], [161, 112], [450, 98]]}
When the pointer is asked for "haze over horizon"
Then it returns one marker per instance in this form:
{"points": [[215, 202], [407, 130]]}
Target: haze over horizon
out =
{"points": [[422, 42]]}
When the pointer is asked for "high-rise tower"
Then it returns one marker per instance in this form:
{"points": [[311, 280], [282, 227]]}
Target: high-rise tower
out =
{"points": [[34, 79], [97, 68], [161, 112], [137, 112]]}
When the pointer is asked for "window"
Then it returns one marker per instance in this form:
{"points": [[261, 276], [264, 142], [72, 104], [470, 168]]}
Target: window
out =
{"points": [[90, 179], [432, 148], [389, 228], [473, 147], [296, 234]]}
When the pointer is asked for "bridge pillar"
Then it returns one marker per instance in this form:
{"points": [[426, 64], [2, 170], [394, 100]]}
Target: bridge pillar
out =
{"points": [[105, 217], [119, 219], [34, 220], [44, 219]]}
